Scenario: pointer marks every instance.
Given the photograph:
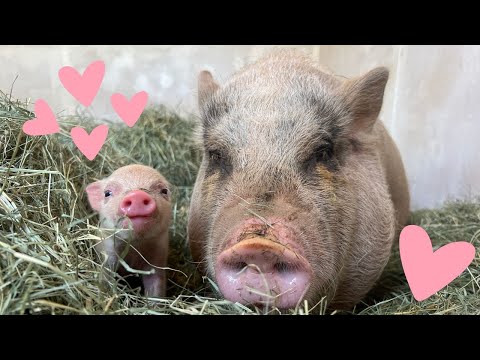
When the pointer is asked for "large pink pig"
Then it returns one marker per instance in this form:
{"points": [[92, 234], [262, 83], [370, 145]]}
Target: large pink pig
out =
{"points": [[301, 192]]}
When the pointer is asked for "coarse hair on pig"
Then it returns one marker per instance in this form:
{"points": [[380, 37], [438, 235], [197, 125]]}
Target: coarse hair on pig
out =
{"points": [[295, 160]]}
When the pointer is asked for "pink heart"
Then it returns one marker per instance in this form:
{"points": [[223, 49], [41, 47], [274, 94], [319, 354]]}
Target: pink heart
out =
{"points": [[45, 122], [131, 110], [426, 271], [91, 144], [84, 87]]}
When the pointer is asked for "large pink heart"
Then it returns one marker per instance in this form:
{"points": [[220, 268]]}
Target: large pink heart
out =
{"points": [[426, 271], [131, 110], [45, 122], [91, 144], [84, 87]]}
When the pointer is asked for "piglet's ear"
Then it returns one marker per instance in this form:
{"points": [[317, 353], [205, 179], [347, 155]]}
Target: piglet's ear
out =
{"points": [[95, 195], [364, 97]]}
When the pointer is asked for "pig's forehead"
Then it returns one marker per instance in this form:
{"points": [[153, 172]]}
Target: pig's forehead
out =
{"points": [[280, 85], [279, 94], [267, 130], [136, 177], [276, 112], [284, 103]]}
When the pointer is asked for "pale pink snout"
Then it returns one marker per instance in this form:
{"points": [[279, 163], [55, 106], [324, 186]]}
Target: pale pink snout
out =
{"points": [[139, 207], [263, 272]]}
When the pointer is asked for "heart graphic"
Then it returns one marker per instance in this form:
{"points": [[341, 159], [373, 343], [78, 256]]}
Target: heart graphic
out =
{"points": [[84, 87], [91, 144], [426, 271], [131, 110], [45, 122]]}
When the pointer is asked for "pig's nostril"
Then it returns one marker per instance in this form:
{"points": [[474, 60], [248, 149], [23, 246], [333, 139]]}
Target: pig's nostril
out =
{"points": [[236, 266], [137, 203], [283, 267]]}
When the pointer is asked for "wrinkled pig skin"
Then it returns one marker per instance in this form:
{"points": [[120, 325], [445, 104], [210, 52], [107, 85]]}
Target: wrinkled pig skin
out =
{"points": [[135, 215], [301, 192]]}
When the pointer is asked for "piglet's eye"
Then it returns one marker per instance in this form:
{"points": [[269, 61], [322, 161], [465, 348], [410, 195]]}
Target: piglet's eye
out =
{"points": [[164, 191], [108, 193]]}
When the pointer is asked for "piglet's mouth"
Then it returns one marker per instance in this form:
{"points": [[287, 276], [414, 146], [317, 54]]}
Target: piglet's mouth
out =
{"points": [[139, 223]]}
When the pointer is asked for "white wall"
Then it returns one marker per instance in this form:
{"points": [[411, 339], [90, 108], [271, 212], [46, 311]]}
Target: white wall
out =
{"points": [[431, 103]]}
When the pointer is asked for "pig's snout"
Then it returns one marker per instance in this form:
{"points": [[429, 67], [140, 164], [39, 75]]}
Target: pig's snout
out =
{"points": [[137, 204], [263, 272]]}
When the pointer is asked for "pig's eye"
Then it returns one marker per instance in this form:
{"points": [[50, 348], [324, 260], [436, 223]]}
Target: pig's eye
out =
{"points": [[218, 161], [164, 192], [215, 156], [108, 193], [324, 152]]}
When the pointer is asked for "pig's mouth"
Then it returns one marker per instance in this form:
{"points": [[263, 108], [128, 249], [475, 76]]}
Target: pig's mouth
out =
{"points": [[262, 266], [139, 223]]}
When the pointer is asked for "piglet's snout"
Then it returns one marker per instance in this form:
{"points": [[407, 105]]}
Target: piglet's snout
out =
{"points": [[137, 203], [261, 271]]}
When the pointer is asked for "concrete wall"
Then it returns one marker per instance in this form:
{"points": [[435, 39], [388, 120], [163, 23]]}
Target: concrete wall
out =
{"points": [[430, 106]]}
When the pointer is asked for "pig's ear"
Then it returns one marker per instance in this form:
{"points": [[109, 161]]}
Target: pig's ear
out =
{"points": [[95, 194], [364, 97], [206, 87]]}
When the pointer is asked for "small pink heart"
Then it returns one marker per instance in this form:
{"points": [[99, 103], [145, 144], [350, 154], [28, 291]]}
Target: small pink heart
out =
{"points": [[45, 122], [131, 110], [91, 144], [84, 87], [426, 271]]}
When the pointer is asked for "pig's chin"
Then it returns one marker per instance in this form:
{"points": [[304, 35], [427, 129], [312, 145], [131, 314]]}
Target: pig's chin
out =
{"points": [[140, 224], [263, 265]]}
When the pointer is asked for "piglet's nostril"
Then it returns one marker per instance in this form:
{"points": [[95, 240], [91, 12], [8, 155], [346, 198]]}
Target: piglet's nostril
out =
{"points": [[137, 203]]}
